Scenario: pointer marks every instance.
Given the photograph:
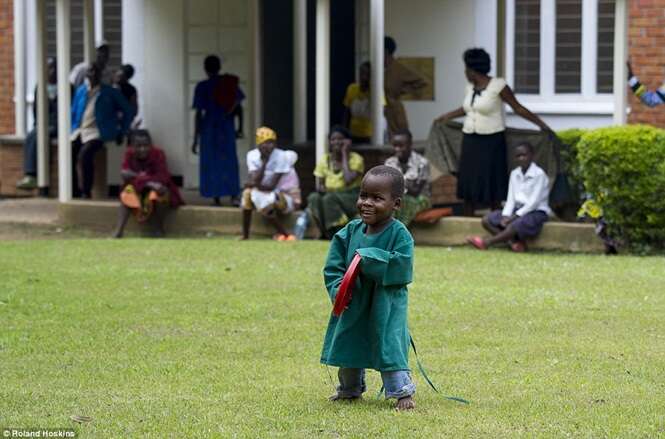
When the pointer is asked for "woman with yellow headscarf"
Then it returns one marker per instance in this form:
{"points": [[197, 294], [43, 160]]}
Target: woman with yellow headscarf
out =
{"points": [[273, 187]]}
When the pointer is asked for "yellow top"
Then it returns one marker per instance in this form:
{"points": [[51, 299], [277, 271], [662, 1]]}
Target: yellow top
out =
{"points": [[334, 180], [359, 105]]}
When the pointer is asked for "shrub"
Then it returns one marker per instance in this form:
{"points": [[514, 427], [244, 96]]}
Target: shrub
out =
{"points": [[623, 168]]}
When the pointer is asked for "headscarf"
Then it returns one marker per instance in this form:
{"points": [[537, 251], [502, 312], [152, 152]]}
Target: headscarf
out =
{"points": [[264, 134]]}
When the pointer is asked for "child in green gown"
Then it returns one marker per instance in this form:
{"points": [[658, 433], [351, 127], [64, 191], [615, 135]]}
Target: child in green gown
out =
{"points": [[372, 333]]}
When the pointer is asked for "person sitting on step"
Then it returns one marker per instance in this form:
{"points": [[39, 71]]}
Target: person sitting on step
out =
{"points": [[148, 190], [273, 187], [526, 209], [415, 169]]}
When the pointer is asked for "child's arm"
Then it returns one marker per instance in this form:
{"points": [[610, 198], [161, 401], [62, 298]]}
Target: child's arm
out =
{"points": [[335, 267], [389, 268]]}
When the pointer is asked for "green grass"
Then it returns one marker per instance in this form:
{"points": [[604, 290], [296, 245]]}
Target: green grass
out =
{"points": [[192, 338]]}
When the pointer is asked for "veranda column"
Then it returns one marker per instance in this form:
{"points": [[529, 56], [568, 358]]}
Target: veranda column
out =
{"points": [[376, 49], [41, 104], [256, 115], [19, 68], [620, 55], [322, 76], [299, 71], [99, 21], [63, 38], [88, 31]]}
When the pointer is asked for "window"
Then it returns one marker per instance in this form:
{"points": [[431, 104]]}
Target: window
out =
{"points": [[568, 64], [560, 51], [605, 56], [527, 46]]}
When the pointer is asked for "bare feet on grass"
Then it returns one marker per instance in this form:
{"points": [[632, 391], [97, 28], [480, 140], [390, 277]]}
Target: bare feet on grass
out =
{"points": [[406, 403], [336, 397]]}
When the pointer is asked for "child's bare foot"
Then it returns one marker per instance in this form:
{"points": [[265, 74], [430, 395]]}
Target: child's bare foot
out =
{"points": [[337, 397], [406, 403]]}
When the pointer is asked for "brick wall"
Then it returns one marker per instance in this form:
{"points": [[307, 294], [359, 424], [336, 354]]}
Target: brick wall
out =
{"points": [[6, 66], [646, 49]]}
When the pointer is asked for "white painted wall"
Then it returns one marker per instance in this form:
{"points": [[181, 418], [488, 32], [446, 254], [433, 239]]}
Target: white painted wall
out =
{"points": [[220, 27], [163, 84], [442, 29]]}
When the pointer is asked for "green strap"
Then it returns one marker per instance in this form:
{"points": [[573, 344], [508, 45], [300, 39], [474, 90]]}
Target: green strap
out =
{"points": [[424, 374]]}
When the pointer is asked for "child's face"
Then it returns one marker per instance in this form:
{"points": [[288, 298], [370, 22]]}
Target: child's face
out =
{"points": [[375, 202], [523, 157]]}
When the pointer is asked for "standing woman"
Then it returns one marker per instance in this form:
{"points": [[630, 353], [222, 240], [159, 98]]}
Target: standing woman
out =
{"points": [[338, 177], [216, 100], [482, 177]]}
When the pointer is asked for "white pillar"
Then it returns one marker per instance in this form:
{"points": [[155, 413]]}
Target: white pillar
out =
{"points": [[299, 71], [99, 21], [376, 49], [19, 68], [41, 103], [133, 27], [620, 56], [63, 38], [89, 31], [322, 76], [256, 114]]}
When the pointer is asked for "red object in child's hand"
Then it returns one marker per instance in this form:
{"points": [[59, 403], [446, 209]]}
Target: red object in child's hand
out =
{"points": [[346, 287]]}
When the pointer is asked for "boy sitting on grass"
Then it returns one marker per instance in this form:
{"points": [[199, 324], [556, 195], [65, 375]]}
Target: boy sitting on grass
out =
{"points": [[526, 209], [273, 187], [372, 332]]}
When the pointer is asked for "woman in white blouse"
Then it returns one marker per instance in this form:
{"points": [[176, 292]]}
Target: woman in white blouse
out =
{"points": [[482, 177]]}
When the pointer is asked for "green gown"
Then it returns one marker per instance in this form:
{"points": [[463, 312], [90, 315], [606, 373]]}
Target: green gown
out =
{"points": [[372, 332]]}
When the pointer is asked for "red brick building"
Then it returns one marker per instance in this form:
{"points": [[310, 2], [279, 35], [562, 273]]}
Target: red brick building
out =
{"points": [[6, 66], [646, 49]]}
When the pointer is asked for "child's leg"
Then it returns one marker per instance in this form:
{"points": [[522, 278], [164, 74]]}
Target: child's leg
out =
{"points": [[505, 235], [351, 384], [398, 385], [492, 222], [123, 217], [247, 207]]}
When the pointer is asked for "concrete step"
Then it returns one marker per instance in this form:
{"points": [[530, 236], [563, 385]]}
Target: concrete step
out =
{"points": [[192, 220]]}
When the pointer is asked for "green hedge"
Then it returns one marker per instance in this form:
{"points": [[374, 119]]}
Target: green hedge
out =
{"points": [[623, 168]]}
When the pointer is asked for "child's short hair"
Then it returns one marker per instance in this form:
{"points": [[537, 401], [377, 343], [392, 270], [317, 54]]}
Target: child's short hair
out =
{"points": [[396, 179]]}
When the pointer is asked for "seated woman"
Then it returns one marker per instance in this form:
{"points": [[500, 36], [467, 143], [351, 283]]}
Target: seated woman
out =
{"points": [[415, 169], [338, 177], [148, 190], [273, 186]]}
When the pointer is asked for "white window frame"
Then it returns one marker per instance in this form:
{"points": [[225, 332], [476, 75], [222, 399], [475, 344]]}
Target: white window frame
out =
{"points": [[548, 101]]}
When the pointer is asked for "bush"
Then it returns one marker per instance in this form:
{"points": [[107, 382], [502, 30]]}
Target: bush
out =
{"points": [[623, 168]]}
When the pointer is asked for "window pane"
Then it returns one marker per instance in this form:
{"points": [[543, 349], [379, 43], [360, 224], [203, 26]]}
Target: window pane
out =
{"points": [[605, 63], [527, 46], [568, 76]]}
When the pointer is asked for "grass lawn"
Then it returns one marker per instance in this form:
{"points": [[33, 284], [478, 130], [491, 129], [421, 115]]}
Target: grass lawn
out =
{"points": [[191, 338]]}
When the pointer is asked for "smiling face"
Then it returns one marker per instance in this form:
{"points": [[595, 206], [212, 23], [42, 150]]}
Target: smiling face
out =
{"points": [[376, 204]]}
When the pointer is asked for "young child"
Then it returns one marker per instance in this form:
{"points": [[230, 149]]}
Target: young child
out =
{"points": [[273, 187], [526, 209], [372, 333]]}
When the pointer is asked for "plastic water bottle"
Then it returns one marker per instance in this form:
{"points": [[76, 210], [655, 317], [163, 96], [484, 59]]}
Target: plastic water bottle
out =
{"points": [[301, 225]]}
